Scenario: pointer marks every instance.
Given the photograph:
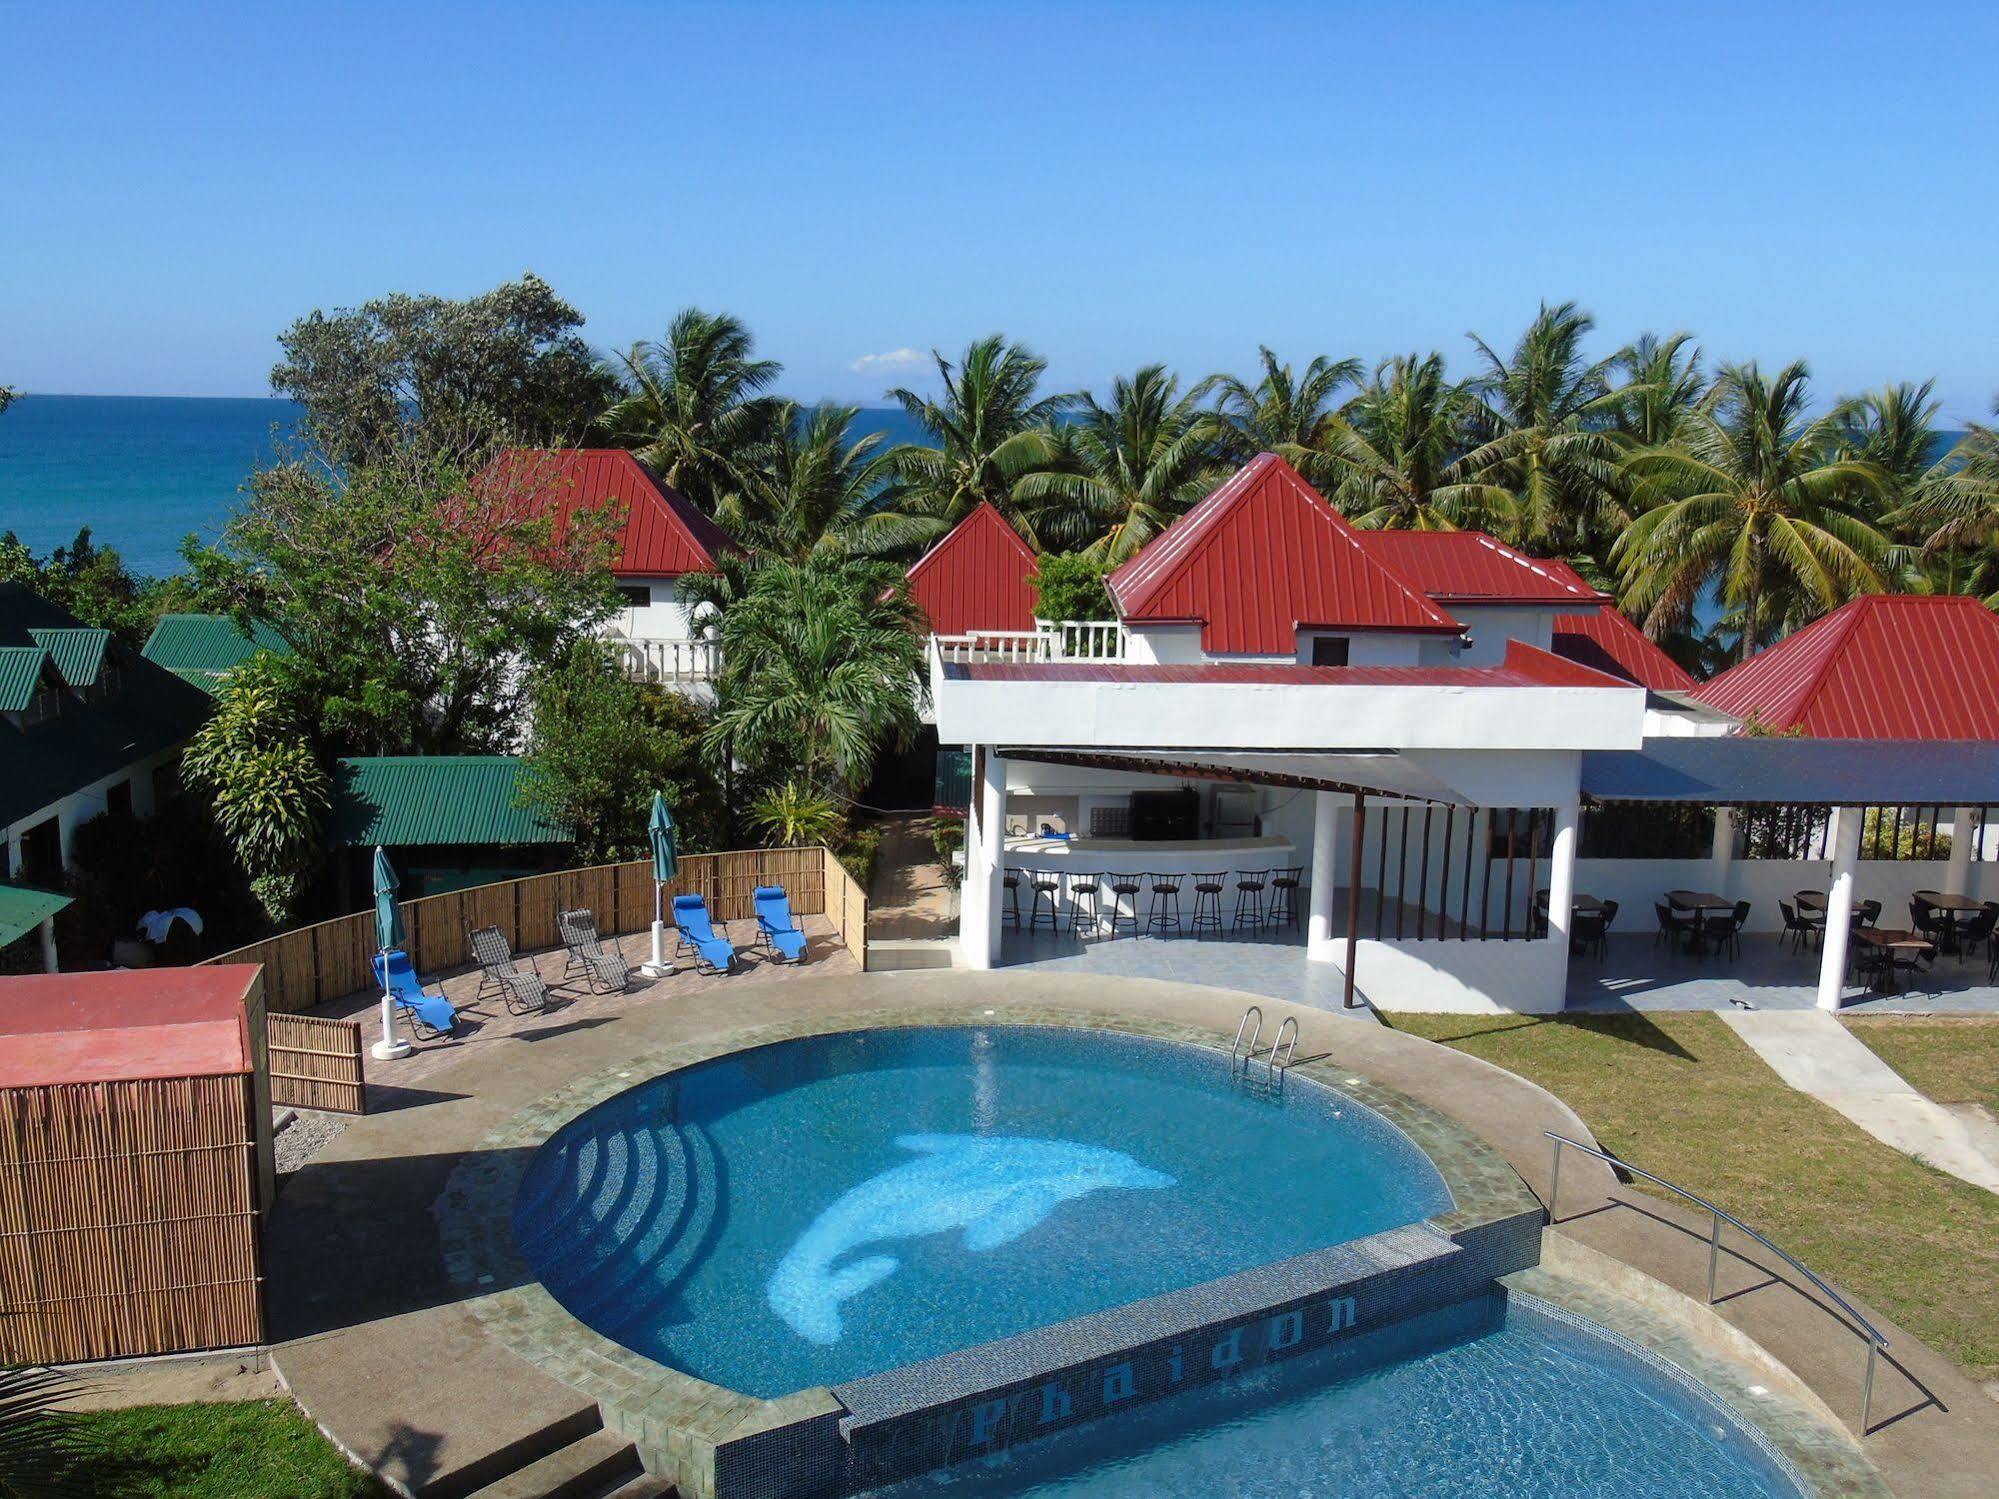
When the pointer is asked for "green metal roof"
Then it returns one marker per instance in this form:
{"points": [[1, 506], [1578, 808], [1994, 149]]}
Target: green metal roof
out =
{"points": [[21, 668], [77, 651], [203, 648], [404, 801], [23, 908]]}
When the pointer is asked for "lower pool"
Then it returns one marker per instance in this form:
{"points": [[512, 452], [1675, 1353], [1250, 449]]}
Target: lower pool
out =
{"points": [[818, 1210], [1493, 1399]]}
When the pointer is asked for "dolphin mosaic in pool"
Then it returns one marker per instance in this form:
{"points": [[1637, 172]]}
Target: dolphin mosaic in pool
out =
{"points": [[994, 1188]]}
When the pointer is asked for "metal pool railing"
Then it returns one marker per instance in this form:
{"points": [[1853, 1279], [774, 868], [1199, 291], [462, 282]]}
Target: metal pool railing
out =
{"points": [[1875, 1341]]}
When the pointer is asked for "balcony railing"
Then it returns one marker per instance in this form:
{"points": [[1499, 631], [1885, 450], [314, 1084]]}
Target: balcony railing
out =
{"points": [[1050, 640], [671, 663]]}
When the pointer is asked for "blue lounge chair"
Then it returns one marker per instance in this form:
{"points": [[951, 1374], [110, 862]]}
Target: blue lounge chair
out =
{"points": [[781, 936], [713, 953], [430, 1015]]}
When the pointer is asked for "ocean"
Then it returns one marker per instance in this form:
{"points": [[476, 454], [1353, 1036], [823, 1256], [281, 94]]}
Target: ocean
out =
{"points": [[144, 471]]}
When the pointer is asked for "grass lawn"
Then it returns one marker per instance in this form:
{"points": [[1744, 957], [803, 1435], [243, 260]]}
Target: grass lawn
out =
{"points": [[1953, 1061], [1680, 1095], [254, 1449]]}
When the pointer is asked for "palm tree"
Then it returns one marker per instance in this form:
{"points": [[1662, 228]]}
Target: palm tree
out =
{"points": [[821, 661], [1396, 454], [691, 406], [990, 430], [1542, 418], [1283, 412], [1662, 383], [1755, 500], [1957, 508], [809, 488], [1138, 463]]}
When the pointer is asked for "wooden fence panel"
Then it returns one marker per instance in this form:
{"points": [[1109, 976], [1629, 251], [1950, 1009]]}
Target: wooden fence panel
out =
{"points": [[846, 906], [316, 1063]]}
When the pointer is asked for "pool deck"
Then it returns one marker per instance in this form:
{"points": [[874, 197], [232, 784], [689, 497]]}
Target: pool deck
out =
{"points": [[391, 1360]]}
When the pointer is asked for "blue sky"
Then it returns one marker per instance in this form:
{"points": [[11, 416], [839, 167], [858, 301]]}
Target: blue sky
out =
{"points": [[1112, 184]]}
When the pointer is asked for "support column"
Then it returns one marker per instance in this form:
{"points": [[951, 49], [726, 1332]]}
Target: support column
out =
{"points": [[1722, 854], [48, 930], [1963, 829], [1839, 904], [1562, 872], [985, 864], [1319, 946], [1353, 892]]}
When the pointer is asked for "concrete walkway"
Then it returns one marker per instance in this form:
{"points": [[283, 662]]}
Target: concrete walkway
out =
{"points": [[1815, 1054]]}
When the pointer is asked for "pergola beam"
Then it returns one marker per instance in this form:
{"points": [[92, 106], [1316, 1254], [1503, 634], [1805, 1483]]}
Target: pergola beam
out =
{"points": [[1196, 771]]}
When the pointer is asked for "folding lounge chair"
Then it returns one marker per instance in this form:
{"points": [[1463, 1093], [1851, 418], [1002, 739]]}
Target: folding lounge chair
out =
{"points": [[781, 936], [605, 969], [524, 991], [713, 953], [430, 1015]]}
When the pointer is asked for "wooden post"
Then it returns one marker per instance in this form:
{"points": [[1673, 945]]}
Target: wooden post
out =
{"points": [[1353, 892]]}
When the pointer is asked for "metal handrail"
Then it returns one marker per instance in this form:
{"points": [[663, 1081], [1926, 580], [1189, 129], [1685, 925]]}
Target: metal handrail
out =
{"points": [[1290, 1024], [1241, 1026], [1875, 1341]]}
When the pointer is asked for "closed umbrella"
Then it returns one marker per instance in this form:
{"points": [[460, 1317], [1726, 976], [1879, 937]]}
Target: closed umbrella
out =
{"points": [[389, 936], [665, 866]]}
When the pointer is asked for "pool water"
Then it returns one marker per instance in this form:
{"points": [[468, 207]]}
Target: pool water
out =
{"points": [[827, 1208], [1493, 1399]]}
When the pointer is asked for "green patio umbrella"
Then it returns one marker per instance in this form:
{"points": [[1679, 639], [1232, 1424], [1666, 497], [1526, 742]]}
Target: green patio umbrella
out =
{"points": [[665, 865], [389, 935]]}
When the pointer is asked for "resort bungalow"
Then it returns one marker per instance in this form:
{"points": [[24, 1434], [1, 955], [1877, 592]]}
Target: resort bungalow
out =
{"points": [[1386, 744], [205, 648], [86, 726], [447, 822], [661, 541]]}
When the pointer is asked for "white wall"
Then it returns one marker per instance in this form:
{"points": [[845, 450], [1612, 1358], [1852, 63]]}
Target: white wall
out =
{"points": [[1472, 978], [1493, 625], [80, 806], [1638, 884], [666, 617]]}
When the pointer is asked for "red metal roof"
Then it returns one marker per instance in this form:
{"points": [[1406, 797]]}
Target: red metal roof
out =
{"points": [[1261, 556], [1886, 666], [1607, 641], [1524, 666], [1470, 567], [980, 577], [663, 535], [124, 1025]]}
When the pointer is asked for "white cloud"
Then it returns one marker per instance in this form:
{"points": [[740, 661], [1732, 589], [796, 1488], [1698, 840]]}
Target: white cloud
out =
{"points": [[894, 359]]}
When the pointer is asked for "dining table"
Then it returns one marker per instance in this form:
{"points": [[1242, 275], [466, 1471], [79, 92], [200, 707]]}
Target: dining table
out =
{"points": [[1954, 908], [1893, 940], [1698, 903]]}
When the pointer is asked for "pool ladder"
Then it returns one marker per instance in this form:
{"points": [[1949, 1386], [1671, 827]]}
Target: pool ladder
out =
{"points": [[1243, 1054]]}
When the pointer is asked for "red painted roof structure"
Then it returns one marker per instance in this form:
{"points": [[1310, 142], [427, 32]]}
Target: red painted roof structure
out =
{"points": [[1261, 557], [124, 1025], [1470, 567], [1608, 641], [662, 536], [1524, 666], [1885, 666], [979, 577]]}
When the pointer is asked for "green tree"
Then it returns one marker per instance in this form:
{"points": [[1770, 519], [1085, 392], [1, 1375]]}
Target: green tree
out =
{"points": [[601, 745], [1755, 501], [1069, 585], [989, 430], [1540, 416], [1283, 412], [810, 488], [795, 814], [1955, 513], [91, 582], [1396, 454], [1140, 462], [1662, 382], [821, 662], [8, 396], [418, 590], [270, 791], [691, 405], [508, 360]]}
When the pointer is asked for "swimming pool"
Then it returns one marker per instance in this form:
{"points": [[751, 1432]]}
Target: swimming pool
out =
{"points": [[818, 1210], [1496, 1398]]}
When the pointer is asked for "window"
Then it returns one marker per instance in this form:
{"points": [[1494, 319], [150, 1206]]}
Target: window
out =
{"points": [[118, 799], [41, 852], [1330, 650], [1646, 830], [635, 595]]}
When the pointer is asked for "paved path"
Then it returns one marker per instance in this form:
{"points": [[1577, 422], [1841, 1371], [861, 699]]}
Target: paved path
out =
{"points": [[1815, 1054]]}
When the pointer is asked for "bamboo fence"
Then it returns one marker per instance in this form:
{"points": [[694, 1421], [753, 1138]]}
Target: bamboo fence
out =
{"points": [[316, 1063], [128, 1218], [310, 965]]}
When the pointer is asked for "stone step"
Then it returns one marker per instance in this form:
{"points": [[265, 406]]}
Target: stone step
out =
{"points": [[598, 1464], [645, 1486], [909, 954]]}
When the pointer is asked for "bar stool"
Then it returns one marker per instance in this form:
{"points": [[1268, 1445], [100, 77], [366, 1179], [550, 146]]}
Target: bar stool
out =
{"points": [[1047, 885], [1083, 892], [1164, 913], [1284, 896], [1208, 902], [1249, 887], [1124, 900], [1010, 877]]}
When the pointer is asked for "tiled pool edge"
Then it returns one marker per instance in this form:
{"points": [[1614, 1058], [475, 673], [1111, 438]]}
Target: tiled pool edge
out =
{"points": [[713, 1442]]}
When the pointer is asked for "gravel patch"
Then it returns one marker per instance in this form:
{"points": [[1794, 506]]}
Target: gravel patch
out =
{"points": [[304, 1136]]}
